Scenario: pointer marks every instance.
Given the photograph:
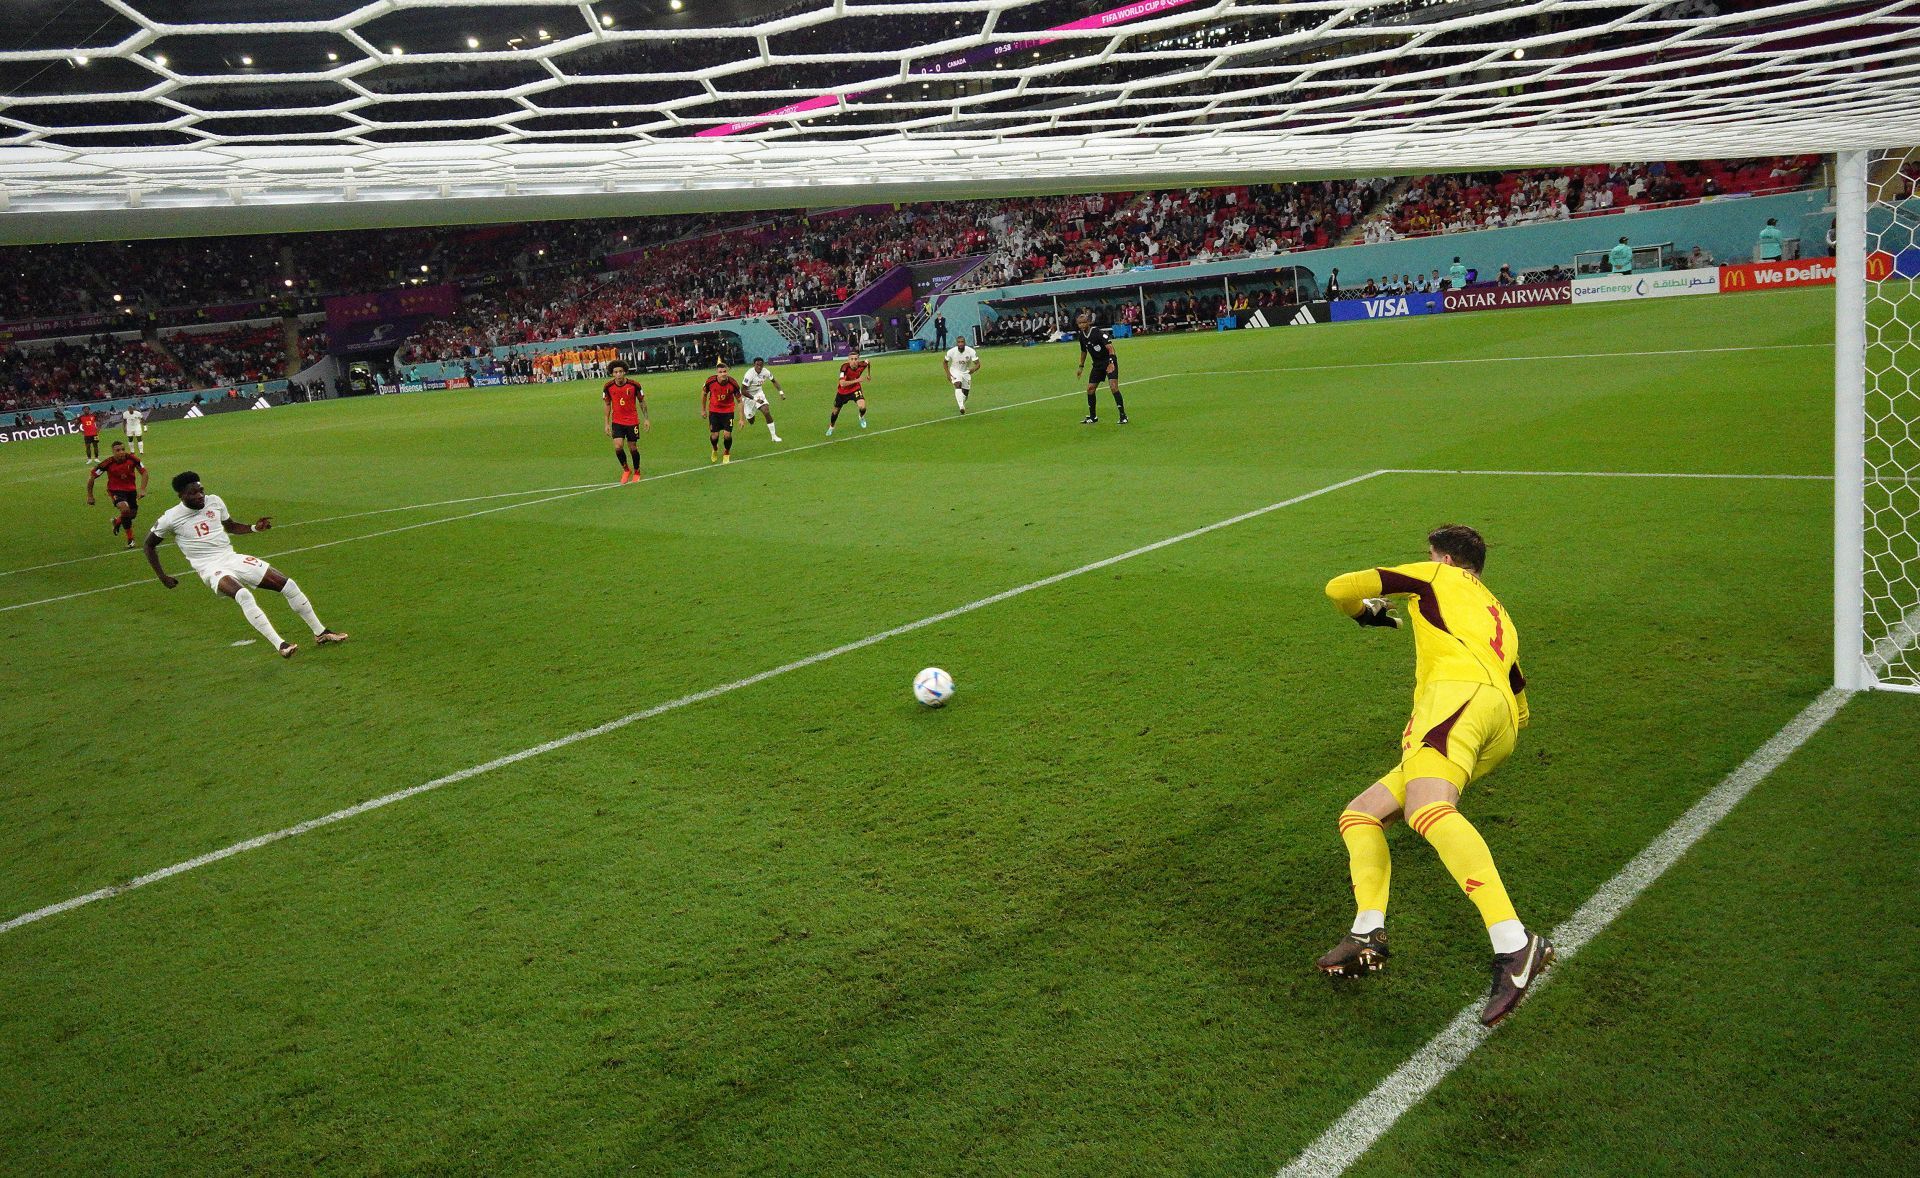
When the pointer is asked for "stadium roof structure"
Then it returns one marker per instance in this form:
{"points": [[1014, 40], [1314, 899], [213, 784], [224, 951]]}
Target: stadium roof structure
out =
{"points": [[139, 118]]}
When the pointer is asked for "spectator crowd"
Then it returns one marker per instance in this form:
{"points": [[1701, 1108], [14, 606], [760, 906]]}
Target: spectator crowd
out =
{"points": [[1493, 200], [530, 283]]}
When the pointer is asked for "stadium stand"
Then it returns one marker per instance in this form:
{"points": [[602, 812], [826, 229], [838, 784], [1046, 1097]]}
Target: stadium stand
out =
{"points": [[1454, 203], [530, 283], [85, 369]]}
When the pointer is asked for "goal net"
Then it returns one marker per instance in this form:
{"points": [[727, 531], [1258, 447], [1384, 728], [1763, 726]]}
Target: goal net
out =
{"points": [[139, 117], [1889, 374]]}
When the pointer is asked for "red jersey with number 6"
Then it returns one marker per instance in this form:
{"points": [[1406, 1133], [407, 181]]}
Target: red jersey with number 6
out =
{"points": [[623, 399], [852, 374]]}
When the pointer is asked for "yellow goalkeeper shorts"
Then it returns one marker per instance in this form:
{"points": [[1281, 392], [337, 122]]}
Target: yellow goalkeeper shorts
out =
{"points": [[1459, 732]]}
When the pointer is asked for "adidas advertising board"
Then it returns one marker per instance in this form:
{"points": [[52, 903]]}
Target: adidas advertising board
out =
{"points": [[44, 429]]}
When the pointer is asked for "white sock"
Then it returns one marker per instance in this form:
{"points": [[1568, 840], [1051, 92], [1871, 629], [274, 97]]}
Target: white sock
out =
{"points": [[959, 398], [302, 608], [770, 430], [257, 617], [1368, 921], [1508, 936]]}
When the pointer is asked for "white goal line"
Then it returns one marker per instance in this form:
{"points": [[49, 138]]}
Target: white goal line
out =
{"points": [[1373, 1115]]}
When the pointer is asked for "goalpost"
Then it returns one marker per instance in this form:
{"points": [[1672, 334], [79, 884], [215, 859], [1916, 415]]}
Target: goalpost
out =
{"points": [[1876, 424]]}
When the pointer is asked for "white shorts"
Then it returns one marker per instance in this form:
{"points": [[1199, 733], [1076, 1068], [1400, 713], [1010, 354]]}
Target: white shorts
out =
{"points": [[756, 399], [248, 570], [964, 382], [138, 431]]}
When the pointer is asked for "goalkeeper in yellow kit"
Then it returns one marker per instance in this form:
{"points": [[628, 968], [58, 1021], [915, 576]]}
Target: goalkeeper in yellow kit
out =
{"points": [[1469, 703]]}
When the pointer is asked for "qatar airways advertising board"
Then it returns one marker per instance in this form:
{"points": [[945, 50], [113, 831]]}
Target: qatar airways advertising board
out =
{"points": [[1504, 298]]}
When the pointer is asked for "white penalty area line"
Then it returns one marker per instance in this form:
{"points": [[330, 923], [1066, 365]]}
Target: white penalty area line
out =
{"points": [[997, 408], [1620, 474], [615, 725], [1444, 360]]}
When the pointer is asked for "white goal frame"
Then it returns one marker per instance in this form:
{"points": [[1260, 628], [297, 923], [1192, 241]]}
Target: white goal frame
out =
{"points": [[1850, 671], [1876, 583]]}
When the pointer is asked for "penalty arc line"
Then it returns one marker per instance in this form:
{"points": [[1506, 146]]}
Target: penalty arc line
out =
{"points": [[618, 723], [1357, 1129]]}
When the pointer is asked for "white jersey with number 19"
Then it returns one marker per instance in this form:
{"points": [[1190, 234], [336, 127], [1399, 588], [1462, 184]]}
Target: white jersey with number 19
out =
{"points": [[201, 534]]}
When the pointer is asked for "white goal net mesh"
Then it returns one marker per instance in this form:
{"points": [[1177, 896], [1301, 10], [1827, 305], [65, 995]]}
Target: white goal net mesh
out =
{"points": [[164, 104], [1891, 541]]}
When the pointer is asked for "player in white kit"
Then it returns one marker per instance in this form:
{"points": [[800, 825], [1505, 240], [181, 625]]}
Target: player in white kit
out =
{"points": [[962, 362], [753, 390], [200, 526], [136, 426]]}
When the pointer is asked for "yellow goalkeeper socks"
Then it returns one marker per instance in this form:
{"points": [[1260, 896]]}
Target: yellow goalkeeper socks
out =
{"points": [[1465, 853], [1372, 869]]}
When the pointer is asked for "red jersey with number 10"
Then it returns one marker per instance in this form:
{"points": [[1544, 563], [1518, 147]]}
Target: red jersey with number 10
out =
{"points": [[721, 391], [852, 373], [623, 399]]}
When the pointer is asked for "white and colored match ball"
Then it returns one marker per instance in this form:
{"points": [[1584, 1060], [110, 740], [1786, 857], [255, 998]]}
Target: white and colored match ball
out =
{"points": [[933, 687]]}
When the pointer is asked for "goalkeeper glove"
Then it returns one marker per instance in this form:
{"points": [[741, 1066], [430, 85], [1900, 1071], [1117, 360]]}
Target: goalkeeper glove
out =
{"points": [[1377, 611]]}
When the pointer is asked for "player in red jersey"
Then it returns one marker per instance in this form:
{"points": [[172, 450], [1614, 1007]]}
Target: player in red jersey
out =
{"points": [[853, 375], [121, 469], [626, 410], [90, 433], [721, 396]]}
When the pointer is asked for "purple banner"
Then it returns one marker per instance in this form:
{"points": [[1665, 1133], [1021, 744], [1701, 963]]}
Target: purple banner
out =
{"points": [[1124, 14], [65, 325], [407, 302]]}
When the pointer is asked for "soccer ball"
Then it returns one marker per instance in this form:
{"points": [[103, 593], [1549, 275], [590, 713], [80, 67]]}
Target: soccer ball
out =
{"points": [[933, 687]]}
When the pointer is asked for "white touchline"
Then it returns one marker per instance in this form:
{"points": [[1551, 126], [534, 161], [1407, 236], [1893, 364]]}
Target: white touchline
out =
{"points": [[586, 489], [326, 519], [326, 544], [659, 709], [1370, 1118]]}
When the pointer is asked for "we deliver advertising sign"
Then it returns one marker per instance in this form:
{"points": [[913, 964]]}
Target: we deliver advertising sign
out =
{"points": [[1776, 275]]}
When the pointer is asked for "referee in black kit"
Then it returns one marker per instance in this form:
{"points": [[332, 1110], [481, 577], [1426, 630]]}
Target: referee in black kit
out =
{"points": [[1096, 344]]}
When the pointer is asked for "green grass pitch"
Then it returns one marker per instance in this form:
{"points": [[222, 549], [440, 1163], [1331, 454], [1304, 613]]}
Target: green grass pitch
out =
{"points": [[1064, 925]]}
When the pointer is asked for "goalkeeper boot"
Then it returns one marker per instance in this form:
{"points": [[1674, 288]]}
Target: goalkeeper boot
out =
{"points": [[1356, 956], [1514, 974]]}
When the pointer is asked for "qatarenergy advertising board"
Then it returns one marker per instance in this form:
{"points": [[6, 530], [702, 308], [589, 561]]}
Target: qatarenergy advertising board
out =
{"points": [[1613, 288]]}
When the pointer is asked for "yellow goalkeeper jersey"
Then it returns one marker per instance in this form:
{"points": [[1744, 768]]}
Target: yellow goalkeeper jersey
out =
{"points": [[1461, 632]]}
